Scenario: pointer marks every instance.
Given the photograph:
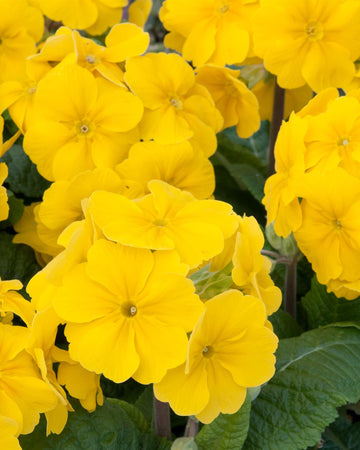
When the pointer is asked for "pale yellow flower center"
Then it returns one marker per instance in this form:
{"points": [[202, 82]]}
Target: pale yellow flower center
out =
{"points": [[83, 128], [314, 31], [32, 90], [208, 351], [222, 6], [160, 222], [337, 224], [176, 102], [90, 59], [343, 142]]}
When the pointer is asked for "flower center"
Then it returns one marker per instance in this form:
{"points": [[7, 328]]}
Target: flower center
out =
{"points": [[90, 59], [32, 90], [176, 102], [208, 351], [129, 310], [160, 222], [223, 6], [337, 224], [314, 31], [344, 142]]}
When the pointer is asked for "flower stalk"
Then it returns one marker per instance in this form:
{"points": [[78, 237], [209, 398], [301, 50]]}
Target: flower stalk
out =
{"points": [[277, 118], [162, 419], [290, 287]]}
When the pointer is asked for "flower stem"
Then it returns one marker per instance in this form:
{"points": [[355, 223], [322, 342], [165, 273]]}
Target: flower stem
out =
{"points": [[162, 419], [192, 427], [277, 118], [290, 287]]}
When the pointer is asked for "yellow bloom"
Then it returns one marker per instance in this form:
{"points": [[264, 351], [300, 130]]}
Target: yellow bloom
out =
{"points": [[166, 219], [83, 125], [331, 224], [139, 12], [12, 301], [120, 320], [176, 107], [8, 431], [236, 103], [93, 15], [251, 269], [177, 164], [215, 31], [23, 394], [308, 41], [21, 26], [281, 189], [4, 207], [230, 349]]}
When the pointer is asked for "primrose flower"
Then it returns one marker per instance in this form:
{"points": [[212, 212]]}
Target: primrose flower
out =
{"points": [[139, 11], [281, 189], [314, 43], [83, 126], [251, 269], [12, 301], [331, 224], [176, 107], [21, 26], [214, 31], [8, 433], [166, 219], [128, 311], [95, 16], [229, 350], [4, 207], [23, 394], [176, 164]]}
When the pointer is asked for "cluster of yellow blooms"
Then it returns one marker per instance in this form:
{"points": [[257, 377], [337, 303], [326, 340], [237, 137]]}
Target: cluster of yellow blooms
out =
{"points": [[125, 138], [314, 192]]}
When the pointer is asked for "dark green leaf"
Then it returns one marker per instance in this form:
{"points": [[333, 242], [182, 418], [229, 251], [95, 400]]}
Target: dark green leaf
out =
{"points": [[116, 425], [316, 373], [323, 308], [23, 176], [284, 325], [16, 209], [226, 432]]}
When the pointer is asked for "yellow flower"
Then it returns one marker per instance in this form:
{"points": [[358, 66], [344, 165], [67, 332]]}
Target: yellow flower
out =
{"points": [[313, 42], [12, 301], [8, 431], [230, 349], [93, 15], [176, 107], [177, 164], [4, 207], [23, 394], [281, 189], [251, 269], [139, 11], [120, 320], [166, 219], [21, 26], [80, 123], [236, 103], [215, 31], [331, 224]]}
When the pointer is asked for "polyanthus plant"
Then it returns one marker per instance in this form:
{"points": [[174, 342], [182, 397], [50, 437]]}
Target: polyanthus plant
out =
{"points": [[165, 219], [177, 108], [230, 349], [4, 207], [308, 42], [83, 127], [209, 31], [120, 321]]}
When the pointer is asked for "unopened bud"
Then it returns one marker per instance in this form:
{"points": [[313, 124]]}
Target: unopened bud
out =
{"points": [[184, 443]]}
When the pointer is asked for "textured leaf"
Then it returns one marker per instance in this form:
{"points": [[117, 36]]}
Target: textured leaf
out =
{"points": [[341, 434], [208, 284], [114, 426], [316, 373], [226, 432], [16, 209], [17, 261], [251, 177], [322, 308], [23, 176], [284, 325]]}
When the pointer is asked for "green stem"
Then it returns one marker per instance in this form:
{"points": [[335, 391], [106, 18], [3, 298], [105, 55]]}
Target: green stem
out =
{"points": [[192, 427], [162, 419], [277, 118], [331, 435], [290, 287]]}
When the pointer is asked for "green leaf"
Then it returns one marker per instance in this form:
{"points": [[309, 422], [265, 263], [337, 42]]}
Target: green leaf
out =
{"points": [[16, 209], [251, 177], [17, 261], [317, 372], [208, 284], [284, 325], [23, 176], [227, 431], [322, 308], [145, 403], [113, 426]]}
